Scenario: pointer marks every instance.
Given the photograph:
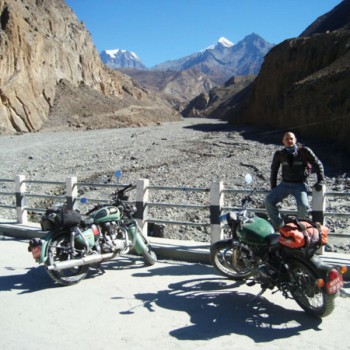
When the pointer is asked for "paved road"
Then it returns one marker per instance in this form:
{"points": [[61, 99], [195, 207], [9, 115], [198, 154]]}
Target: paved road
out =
{"points": [[172, 305]]}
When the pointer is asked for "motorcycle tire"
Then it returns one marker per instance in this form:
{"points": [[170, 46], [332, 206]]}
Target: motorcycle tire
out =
{"points": [[226, 258], [150, 256], [58, 250], [312, 299], [143, 247]]}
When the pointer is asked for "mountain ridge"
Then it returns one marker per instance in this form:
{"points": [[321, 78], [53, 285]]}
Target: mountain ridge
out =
{"points": [[221, 60], [184, 79], [229, 59]]}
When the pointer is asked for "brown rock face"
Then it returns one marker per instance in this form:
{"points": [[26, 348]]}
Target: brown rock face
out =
{"points": [[41, 44], [304, 85]]}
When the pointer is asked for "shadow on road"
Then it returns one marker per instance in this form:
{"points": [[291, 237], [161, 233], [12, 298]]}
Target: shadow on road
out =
{"points": [[216, 309], [36, 278], [33, 280]]}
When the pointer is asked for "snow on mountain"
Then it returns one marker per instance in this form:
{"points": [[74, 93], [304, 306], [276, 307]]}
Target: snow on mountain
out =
{"points": [[116, 52], [223, 42], [224, 59], [219, 61], [121, 59]]}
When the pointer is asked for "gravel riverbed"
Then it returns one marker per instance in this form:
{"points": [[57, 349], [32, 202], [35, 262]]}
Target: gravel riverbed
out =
{"points": [[189, 153]]}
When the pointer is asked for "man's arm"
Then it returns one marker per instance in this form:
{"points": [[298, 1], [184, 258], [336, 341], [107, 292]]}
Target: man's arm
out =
{"points": [[276, 161], [316, 163]]}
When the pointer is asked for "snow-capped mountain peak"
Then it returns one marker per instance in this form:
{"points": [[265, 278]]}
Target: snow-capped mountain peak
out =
{"points": [[225, 42], [222, 42], [118, 58], [224, 58], [114, 53]]}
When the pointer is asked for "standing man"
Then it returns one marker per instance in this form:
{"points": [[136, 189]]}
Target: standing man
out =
{"points": [[296, 162]]}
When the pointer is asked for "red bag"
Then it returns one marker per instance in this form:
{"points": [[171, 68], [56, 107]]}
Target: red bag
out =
{"points": [[299, 234]]}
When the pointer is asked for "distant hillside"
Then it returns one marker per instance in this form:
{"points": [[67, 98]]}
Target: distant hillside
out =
{"points": [[207, 103], [176, 87]]}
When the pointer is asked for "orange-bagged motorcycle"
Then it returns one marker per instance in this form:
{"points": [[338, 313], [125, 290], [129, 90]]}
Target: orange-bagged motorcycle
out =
{"points": [[286, 262]]}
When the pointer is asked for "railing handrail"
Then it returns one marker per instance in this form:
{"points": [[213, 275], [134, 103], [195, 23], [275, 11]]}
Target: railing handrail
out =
{"points": [[176, 188], [215, 204]]}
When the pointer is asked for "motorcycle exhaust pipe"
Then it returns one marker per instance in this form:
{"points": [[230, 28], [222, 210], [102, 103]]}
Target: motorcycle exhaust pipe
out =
{"points": [[91, 259]]}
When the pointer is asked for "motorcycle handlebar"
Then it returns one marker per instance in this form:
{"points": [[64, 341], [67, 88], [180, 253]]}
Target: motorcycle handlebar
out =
{"points": [[98, 206], [127, 188], [248, 198], [119, 195]]}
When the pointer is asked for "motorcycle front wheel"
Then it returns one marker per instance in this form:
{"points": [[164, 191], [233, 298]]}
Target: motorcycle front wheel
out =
{"points": [[228, 259], [148, 253], [312, 299], [150, 256], [142, 246], [59, 249]]}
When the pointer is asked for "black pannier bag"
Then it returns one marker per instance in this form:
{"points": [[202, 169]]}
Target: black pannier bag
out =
{"points": [[62, 217]]}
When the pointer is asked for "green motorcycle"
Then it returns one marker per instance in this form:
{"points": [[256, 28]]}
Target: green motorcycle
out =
{"points": [[256, 254], [72, 244]]}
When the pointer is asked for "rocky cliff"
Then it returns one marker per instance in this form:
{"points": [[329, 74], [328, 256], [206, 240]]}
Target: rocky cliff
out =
{"points": [[304, 83], [42, 43]]}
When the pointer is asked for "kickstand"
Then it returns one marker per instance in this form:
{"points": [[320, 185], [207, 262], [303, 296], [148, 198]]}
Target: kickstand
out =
{"points": [[258, 295]]}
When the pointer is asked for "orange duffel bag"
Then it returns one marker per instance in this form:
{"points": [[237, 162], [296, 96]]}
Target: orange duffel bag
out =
{"points": [[303, 234]]}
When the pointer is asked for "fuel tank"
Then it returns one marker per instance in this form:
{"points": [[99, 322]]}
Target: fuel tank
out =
{"points": [[105, 214], [256, 230]]}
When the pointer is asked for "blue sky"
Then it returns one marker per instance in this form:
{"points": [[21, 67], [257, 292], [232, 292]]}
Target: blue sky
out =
{"points": [[162, 30]]}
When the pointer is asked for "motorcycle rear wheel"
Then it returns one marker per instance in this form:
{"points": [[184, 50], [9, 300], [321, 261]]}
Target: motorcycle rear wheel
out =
{"points": [[312, 299], [228, 260], [58, 250]]}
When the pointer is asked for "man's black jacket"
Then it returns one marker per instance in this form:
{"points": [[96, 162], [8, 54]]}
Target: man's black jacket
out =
{"points": [[295, 167]]}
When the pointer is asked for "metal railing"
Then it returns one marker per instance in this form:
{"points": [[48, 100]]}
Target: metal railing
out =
{"points": [[215, 203]]}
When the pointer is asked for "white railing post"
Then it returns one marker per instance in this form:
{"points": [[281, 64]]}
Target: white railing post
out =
{"points": [[318, 204], [71, 192], [216, 203], [142, 194], [20, 190], [319, 208]]}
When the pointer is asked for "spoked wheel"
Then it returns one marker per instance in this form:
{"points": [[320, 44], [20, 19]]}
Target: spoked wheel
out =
{"points": [[229, 260], [59, 249], [307, 294]]}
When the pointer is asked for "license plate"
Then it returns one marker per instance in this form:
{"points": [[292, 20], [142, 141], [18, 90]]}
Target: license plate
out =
{"points": [[36, 252], [335, 285]]}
